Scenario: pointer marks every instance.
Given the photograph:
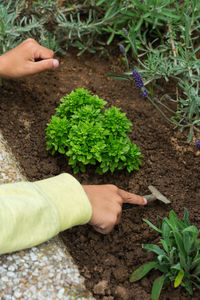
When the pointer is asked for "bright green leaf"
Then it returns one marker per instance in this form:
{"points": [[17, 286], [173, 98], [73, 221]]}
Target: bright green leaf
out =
{"points": [[179, 278], [142, 271], [157, 287], [154, 248], [153, 226]]}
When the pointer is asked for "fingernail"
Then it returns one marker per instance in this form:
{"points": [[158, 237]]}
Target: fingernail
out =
{"points": [[145, 200], [55, 63]]}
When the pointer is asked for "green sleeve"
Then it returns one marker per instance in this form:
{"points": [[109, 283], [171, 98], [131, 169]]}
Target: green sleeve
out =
{"points": [[31, 213]]}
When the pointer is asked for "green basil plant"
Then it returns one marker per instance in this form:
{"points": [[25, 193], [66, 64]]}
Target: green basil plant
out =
{"points": [[88, 134]]}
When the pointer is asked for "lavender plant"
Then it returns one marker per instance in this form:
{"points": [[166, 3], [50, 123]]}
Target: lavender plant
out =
{"points": [[198, 145], [72, 24], [182, 65], [12, 29], [82, 24]]}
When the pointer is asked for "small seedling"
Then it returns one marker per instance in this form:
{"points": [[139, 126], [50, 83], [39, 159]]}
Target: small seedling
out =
{"points": [[178, 258]]}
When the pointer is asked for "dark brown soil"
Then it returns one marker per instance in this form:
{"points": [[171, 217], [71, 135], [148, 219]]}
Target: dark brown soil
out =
{"points": [[169, 163]]}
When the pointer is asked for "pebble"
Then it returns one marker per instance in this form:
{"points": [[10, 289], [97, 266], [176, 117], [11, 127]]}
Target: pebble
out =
{"points": [[11, 268], [10, 274], [100, 287], [4, 278], [17, 294], [122, 293]]}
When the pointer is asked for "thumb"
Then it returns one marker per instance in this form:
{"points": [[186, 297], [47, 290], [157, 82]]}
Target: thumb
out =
{"points": [[43, 65], [131, 198]]}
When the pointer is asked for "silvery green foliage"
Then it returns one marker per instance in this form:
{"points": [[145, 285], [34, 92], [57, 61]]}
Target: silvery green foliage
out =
{"points": [[164, 34], [13, 27], [18, 22], [76, 24]]}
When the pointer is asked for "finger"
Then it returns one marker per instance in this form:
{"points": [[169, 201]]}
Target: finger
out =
{"points": [[118, 218], [103, 230], [38, 51], [131, 198], [44, 53], [46, 64]]}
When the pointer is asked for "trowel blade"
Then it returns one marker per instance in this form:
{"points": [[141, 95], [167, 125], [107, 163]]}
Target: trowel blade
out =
{"points": [[158, 195]]}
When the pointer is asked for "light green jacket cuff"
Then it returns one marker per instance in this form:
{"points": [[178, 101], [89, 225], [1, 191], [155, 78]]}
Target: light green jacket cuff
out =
{"points": [[31, 213]]}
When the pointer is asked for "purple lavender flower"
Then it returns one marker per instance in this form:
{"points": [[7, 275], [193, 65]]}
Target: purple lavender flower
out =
{"points": [[185, 121], [145, 93], [125, 31], [198, 145], [137, 79], [122, 49], [155, 99]]}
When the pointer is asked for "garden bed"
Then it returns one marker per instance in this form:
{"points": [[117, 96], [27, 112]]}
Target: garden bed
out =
{"points": [[169, 163]]}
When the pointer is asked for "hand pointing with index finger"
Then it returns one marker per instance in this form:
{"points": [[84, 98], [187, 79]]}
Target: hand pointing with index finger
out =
{"points": [[106, 201]]}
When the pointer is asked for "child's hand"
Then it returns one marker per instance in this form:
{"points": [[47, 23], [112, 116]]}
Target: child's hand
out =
{"points": [[106, 201], [26, 59]]}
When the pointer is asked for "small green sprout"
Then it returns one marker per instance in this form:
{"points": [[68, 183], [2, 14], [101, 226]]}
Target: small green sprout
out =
{"points": [[178, 258]]}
